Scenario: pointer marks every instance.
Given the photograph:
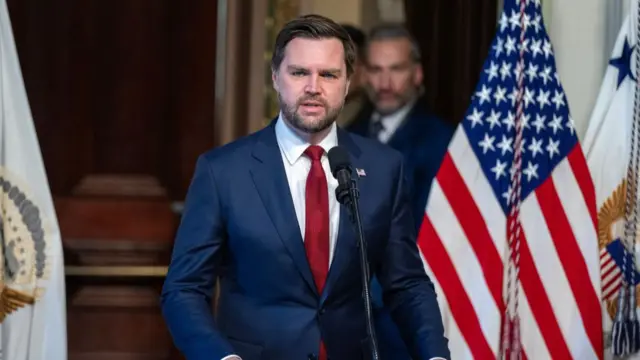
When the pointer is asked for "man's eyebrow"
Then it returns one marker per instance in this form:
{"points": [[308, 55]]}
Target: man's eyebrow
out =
{"points": [[396, 65], [296, 68], [335, 71], [331, 71]]}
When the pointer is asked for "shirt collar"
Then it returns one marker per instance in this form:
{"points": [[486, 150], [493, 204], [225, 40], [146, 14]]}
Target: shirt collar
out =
{"points": [[293, 146], [393, 120]]}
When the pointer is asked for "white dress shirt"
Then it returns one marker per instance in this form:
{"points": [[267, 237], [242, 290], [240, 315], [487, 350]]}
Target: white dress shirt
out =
{"points": [[297, 167]]}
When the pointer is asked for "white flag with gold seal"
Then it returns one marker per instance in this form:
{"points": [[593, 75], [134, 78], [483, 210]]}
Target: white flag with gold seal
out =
{"points": [[32, 300], [609, 145]]}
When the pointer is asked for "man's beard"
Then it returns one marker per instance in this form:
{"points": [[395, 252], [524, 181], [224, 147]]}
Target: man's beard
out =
{"points": [[401, 99], [290, 113]]}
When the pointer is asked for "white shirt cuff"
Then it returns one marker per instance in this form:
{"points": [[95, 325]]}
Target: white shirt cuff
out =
{"points": [[231, 357]]}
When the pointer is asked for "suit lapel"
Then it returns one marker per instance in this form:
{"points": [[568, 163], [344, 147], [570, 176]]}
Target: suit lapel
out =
{"points": [[347, 240], [271, 181], [403, 136], [361, 125]]}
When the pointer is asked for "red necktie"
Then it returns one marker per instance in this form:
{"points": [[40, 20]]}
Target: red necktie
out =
{"points": [[316, 233]]}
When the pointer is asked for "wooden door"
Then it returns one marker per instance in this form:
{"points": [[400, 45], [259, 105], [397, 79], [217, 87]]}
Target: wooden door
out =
{"points": [[122, 94]]}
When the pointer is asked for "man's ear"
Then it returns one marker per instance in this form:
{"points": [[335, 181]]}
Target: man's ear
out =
{"points": [[346, 93], [418, 75], [274, 79]]}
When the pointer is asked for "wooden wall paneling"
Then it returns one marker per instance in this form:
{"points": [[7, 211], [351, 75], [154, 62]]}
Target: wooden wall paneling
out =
{"points": [[122, 93], [240, 83], [279, 12]]}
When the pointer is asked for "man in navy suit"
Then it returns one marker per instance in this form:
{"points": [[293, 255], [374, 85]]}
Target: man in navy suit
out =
{"points": [[261, 214], [399, 119]]}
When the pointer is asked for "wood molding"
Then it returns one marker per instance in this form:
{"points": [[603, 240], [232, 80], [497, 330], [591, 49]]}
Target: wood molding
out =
{"points": [[279, 13], [117, 252], [111, 296], [231, 86], [224, 82], [120, 185], [257, 69], [116, 271], [149, 220], [245, 99]]}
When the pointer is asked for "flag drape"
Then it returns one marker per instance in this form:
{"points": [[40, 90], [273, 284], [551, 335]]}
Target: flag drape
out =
{"points": [[32, 301], [607, 147]]}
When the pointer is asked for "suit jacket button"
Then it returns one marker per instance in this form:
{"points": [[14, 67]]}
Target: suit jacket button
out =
{"points": [[322, 311]]}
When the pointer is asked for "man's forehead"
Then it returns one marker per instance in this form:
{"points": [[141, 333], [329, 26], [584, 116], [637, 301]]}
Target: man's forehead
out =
{"points": [[397, 45], [303, 50]]}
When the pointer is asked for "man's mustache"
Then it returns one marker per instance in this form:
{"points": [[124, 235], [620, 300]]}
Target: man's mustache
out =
{"points": [[311, 98], [380, 94]]}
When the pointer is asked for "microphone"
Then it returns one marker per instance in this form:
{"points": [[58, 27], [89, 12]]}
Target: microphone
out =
{"points": [[347, 194], [340, 165]]}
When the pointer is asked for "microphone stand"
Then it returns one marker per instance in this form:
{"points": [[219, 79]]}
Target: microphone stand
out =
{"points": [[348, 194]]}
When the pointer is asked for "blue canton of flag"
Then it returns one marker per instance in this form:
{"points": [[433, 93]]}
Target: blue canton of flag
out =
{"points": [[548, 134]]}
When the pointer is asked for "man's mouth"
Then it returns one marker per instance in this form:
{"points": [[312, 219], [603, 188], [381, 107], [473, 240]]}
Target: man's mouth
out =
{"points": [[312, 104]]}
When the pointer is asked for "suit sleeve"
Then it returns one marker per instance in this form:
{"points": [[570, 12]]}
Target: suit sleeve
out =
{"points": [[407, 290], [195, 264]]}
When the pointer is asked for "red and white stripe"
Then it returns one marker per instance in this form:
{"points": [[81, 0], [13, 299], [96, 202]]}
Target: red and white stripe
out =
{"points": [[463, 243], [610, 275]]}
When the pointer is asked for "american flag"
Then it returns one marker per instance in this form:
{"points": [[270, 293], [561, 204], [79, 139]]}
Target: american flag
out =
{"points": [[468, 218]]}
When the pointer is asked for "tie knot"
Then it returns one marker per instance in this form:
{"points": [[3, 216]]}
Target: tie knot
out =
{"points": [[314, 152], [376, 127]]}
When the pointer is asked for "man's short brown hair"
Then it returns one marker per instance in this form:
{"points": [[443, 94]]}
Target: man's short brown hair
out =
{"points": [[394, 31], [313, 27]]}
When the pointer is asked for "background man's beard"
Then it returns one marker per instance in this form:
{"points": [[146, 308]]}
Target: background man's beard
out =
{"points": [[401, 99], [291, 115]]}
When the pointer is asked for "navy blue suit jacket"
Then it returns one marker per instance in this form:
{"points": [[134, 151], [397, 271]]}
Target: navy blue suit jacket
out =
{"points": [[239, 223]]}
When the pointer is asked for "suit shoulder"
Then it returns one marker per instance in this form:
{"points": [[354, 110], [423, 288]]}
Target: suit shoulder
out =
{"points": [[443, 127], [377, 150], [232, 151]]}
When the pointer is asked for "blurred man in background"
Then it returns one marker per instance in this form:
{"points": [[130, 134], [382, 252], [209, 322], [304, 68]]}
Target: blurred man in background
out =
{"points": [[398, 118]]}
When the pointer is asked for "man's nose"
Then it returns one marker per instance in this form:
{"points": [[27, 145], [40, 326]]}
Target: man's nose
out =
{"points": [[312, 86], [385, 81]]}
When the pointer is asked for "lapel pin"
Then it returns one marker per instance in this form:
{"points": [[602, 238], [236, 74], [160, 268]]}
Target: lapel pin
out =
{"points": [[361, 172]]}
